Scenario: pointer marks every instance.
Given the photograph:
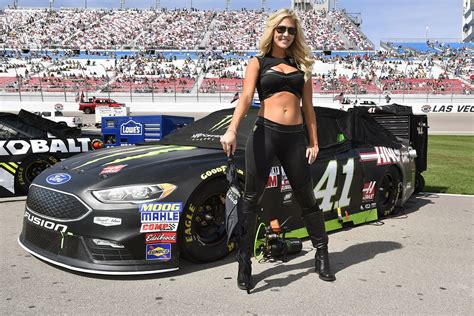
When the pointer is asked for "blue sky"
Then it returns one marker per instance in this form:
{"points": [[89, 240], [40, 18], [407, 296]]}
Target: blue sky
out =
{"points": [[381, 18]]}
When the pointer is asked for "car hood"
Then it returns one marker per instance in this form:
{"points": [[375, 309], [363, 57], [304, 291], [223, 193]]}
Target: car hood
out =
{"points": [[127, 165]]}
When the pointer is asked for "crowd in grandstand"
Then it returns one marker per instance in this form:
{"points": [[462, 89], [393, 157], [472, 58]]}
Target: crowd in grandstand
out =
{"points": [[166, 29], [94, 62]]}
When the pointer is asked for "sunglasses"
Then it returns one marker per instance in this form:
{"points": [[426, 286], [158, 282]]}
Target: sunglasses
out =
{"points": [[281, 29]]}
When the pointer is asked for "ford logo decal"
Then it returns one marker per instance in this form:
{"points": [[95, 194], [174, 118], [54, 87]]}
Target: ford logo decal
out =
{"points": [[58, 178]]}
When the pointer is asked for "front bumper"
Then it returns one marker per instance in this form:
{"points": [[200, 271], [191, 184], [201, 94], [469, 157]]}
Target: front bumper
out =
{"points": [[75, 253], [59, 228]]}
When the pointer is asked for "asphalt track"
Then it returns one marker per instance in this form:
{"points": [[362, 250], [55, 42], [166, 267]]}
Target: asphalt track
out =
{"points": [[418, 262]]}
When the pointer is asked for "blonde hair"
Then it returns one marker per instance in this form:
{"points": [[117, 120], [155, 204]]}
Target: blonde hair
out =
{"points": [[298, 50]]}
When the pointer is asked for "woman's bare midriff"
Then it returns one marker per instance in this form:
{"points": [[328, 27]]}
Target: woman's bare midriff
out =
{"points": [[283, 108]]}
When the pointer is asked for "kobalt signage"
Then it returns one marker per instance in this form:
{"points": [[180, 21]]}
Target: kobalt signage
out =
{"points": [[38, 146]]}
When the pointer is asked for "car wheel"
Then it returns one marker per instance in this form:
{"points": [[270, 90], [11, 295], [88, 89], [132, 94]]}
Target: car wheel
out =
{"points": [[202, 231], [29, 169], [388, 191], [87, 110], [419, 183]]}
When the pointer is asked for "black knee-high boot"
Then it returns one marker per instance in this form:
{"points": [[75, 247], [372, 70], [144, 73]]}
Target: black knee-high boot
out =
{"points": [[245, 249], [314, 223]]}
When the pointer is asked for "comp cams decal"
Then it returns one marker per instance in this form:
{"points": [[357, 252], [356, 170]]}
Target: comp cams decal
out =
{"points": [[160, 252], [158, 227], [40, 146]]}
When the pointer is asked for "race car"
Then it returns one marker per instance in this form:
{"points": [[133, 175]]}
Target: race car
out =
{"points": [[137, 210], [29, 144]]}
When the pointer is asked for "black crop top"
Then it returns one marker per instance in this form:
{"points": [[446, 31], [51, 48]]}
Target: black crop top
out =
{"points": [[271, 81]]}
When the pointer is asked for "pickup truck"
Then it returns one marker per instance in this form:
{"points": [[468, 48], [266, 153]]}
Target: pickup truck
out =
{"points": [[58, 117], [88, 107]]}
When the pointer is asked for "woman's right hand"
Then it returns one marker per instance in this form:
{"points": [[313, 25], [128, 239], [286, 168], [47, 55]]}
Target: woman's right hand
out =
{"points": [[229, 142]]}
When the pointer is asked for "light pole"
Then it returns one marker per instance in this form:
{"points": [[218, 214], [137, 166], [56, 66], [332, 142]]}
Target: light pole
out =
{"points": [[51, 3], [122, 2], [157, 5], [427, 32], [85, 4], [108, 80], [19, 80]]}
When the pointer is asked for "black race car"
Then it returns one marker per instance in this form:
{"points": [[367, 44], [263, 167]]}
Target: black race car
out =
{"points": [[29, 144], [135, 210]]}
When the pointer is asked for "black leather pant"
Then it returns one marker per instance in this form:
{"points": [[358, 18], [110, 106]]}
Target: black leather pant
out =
{"points": [[288, 143]]}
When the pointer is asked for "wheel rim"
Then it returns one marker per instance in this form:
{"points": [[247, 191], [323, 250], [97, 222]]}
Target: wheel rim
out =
{"points": [[386, 190], [34, 169], [209, 220]]}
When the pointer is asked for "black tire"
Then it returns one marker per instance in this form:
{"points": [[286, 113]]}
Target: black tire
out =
{"points": [[87, 110], [202, 231], [419, 183], [29, 169], [63, 123], [388, 192]]}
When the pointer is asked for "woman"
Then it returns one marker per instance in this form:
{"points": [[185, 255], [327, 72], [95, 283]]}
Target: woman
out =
{"points": [[282, 75]]}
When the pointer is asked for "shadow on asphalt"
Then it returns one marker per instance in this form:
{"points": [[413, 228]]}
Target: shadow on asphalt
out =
{"points": [[414, 204], [350, 256]]}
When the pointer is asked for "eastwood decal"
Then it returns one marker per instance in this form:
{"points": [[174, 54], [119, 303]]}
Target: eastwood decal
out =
{"points": [[160, 237], [161, 206], [158, 227], [38, 146], [382, 155], [153, 217], [131, 128], [112, 169], [44, 223], [158, 252], [58, 178], [107, 221]]}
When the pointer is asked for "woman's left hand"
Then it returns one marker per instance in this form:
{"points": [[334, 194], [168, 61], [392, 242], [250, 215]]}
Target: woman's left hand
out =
{"points": [[312, 153]]}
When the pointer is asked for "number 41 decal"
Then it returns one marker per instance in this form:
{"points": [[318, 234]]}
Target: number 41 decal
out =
{"points": [[327, 188]]}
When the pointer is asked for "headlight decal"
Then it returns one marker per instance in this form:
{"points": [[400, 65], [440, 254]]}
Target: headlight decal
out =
{"points": [[135, 194]]}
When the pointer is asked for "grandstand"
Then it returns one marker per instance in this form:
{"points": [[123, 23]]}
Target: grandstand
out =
{"points": [[191, 52], [168, 29]]}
